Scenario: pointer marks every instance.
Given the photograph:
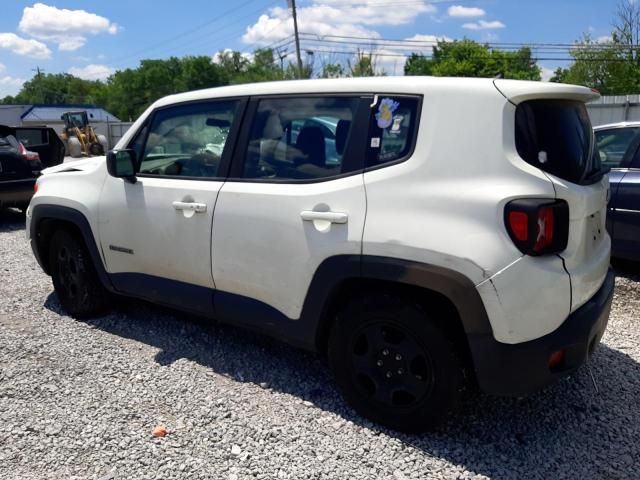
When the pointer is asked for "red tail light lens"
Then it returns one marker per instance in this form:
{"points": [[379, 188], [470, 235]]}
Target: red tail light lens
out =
{"points": [[538, 226], [28, 155], [519, 223]]}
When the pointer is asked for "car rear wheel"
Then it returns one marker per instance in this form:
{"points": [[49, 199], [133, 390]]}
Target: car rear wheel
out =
{"points": [[393, 364], [74, 277]]}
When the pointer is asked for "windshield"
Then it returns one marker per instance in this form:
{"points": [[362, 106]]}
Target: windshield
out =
{"points": [[556, 136]]}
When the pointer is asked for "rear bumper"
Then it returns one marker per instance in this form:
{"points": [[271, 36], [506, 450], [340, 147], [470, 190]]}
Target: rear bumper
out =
{"points": [[16, 192], [523, 368]]}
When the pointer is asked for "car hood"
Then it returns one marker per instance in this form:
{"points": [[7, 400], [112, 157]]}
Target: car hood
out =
{"points": [[82, 165]]}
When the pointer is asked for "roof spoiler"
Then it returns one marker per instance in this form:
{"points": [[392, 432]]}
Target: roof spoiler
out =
{"points": [[518, 91]]}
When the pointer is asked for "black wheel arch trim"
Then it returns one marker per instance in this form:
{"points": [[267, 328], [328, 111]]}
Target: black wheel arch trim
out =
{"points": [[335, 272], [42, 213]]}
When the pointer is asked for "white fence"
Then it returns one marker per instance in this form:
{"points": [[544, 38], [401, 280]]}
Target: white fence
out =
{"points": [[116, 131], [625, 108]]}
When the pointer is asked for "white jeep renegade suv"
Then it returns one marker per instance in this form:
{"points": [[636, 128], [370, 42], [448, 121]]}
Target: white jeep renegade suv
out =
{"points": [[419, 232]]}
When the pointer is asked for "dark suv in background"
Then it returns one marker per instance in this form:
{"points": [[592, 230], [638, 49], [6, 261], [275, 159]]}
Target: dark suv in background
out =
{"points": [[619, 147], [24, 152]]}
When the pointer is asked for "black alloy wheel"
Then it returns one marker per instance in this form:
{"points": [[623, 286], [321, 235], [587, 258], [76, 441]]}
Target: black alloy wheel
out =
{"points": [[393, 364], [74, 277]]}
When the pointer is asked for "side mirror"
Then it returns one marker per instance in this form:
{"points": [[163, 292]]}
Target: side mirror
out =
{"points": [[122, 164]]}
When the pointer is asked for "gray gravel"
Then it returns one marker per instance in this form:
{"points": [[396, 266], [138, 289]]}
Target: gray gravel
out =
{"points": [[79, 400]]}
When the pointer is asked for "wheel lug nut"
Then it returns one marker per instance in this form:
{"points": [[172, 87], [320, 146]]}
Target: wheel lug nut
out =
{"points": [[400, 371], [379, 363], [389, 374], [385, 352], [398, 357]]}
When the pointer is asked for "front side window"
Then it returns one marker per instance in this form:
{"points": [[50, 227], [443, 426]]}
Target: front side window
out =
{"points": [[614, 143], [300, 138], [392, 129], [188, 140]]}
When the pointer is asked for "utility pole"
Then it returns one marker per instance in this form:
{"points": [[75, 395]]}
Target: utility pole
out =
{"points": [[292, 5], [39, 77], [282, 55]]}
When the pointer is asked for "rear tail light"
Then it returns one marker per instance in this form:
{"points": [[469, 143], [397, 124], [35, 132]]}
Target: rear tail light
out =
{"points": [[28, 155], [538, 226]]}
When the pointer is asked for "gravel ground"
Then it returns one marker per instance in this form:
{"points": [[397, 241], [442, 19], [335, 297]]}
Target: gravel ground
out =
{"points": [[79, 400]]}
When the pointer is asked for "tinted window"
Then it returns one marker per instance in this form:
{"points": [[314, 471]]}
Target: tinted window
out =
{"points": [[614, 143], [392, 129], [556, 136], [188, 140], [32, 137], [300, 138]]}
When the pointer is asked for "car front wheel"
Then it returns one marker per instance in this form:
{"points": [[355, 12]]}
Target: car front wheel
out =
{"points": [[74, 277]]}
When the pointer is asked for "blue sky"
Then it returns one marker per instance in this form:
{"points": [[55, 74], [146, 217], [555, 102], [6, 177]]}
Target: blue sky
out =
{"points": [[92, 38]]}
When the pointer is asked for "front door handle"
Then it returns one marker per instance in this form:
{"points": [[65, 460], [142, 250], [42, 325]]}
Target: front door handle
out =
{"points": [[190, 206], [333, 217]]}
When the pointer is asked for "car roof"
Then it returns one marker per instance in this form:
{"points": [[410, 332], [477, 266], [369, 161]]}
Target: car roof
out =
{"points": [[518, 89], [617, 125]]}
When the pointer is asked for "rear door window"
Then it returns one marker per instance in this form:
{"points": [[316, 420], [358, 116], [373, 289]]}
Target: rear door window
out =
{"points": [[556, 136], [301, 138]]}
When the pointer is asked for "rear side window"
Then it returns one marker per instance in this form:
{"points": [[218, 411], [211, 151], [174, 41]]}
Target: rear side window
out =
{"points": [[556, 136], [392, 129]]}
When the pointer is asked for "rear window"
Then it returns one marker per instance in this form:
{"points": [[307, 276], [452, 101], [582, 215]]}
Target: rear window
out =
{"points": [[32, 137], [556, 136]]}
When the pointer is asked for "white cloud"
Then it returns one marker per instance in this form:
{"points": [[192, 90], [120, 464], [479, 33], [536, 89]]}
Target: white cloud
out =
{"points": [[22, 46], [67, 28], [484, 25], [459, 11], [546, 73], [10, 85], [429, 39], [92, 72], [604, 39], [332, 17], [246, 55]]}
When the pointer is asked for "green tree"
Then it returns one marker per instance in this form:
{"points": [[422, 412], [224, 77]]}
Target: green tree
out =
{"points": [[332, 70], [56, 89], [467, 58], [612, 67], [365, 65]]}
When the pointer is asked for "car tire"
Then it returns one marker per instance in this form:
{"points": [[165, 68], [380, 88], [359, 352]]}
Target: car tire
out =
{"points": [[393, 364], [74, 277]]}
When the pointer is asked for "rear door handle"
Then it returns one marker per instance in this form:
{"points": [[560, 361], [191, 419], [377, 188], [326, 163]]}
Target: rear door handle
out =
{"points": [[190, 206], [333, 217]]}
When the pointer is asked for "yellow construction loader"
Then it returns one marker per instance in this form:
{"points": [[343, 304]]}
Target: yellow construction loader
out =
{"points": [[80, 139]]}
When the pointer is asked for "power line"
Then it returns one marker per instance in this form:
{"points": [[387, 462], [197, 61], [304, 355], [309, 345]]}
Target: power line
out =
{"points": [[160, 43]]}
